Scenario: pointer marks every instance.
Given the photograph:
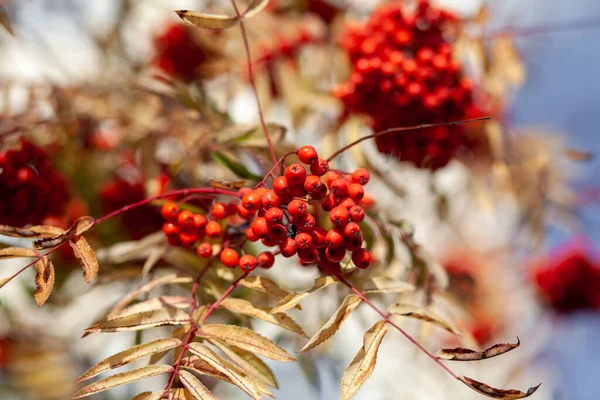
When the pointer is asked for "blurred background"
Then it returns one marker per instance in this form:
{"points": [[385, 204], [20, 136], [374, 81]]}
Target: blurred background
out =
{"points": [[529, 242]]}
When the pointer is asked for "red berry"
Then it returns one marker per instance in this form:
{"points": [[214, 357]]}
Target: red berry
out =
{"points": [[361, 176], [170, 229], [339, 216], [244, 191], [266, 259], [321, 194], [243, 213], [213, 230], [329, 203], [309, 255], [170, 211], [219, 211], [305, 222], [274, 215], [269, 241], [250, 235], [278, 232], [260, 227], [248, 263], [288, 247], [304, 241], [174, 240], [353, 243], [185, 220], [281, 185], [331, 176], [319, 168], [308, 154], [362, 258], [352, 230], [295, 174], [348, 203], [319, 235], [270, 199], [297, 208], [199, 222], [335, 254], [339, 187], [313, 184], [298, 191], [229, 257], [187, 239], [205, 250], [356, 191], [357, 214], [335, 238], [252, 201]]}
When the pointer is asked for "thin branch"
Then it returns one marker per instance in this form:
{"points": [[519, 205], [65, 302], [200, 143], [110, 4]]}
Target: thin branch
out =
{"points": [[253, 83], [545, 29], [270, 173], [401, 129], [217, 303]]}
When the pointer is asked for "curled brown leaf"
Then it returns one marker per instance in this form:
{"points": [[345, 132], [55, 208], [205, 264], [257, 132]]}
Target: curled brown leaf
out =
{"points": [[77, 229], [38, 231], [503, 394], [462, 354], [16, 252], [87, 257], [44, 280]]}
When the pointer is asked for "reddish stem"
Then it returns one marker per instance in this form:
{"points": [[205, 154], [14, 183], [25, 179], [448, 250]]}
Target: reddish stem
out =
{"points": [[252, 81], [401, 129], [387, 319], [517, 32], [38, 258], [270, 173], [217, 303], [182, 192]]}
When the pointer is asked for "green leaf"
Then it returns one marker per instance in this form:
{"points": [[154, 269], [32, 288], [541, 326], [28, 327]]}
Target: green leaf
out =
{"points": [[234, 166]]}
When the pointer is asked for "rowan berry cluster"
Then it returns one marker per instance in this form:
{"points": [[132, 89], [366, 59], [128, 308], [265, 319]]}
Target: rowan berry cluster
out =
{"points": [[569, 281], [403, 74], [290, 215], [30, 189]]}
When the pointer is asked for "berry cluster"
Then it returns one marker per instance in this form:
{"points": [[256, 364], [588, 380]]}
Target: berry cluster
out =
{"points": [[286, 216], [179, 53], [404, 74], [569, 281], [30, 189]]}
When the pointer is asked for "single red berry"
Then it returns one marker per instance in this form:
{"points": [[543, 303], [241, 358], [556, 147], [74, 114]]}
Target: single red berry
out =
{"points": [[335, 254], [260, 227], [185, 220], [281, 185], [361, 176], [229, 257], [352, 230], [274, 215], [329, 203], [205, 250], [219, 211], [288, 247], [319, 168], [269, 241], [347, 203], [232, 208], [362, 258], [187, 239], [278, 232], [266, 259], [170, 229], [357, 214], [297, 208], [308, 154], [298, 191], [248, 263], [356, 191], [170, 211], [313, 184], [295, 174], [305, 222], [270, 199], [335, 238], [308, 256], [251, 201], [260, 191], [353, 243], [339, 187], [339, 216], [244, 191], [174, 240], [321, 194], [25, 174], [250, 235], [199, 222], [319, 235], [213, 230], [331, 176], [304, 241], [367, 201]]}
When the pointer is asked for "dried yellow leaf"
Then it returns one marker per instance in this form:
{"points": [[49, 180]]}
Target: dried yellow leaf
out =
{"points": [[155, 304], [86, 255], [140, 321], [15, 252], [363, 363], [330, 328], [244, 307], [196, 388], [212, 21], [123, 379], [245, 339], [264, 285], [386, 285], [130, 355], [408, 310], [38, 231], [293, 299], [77, 229], [44, 280]]}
